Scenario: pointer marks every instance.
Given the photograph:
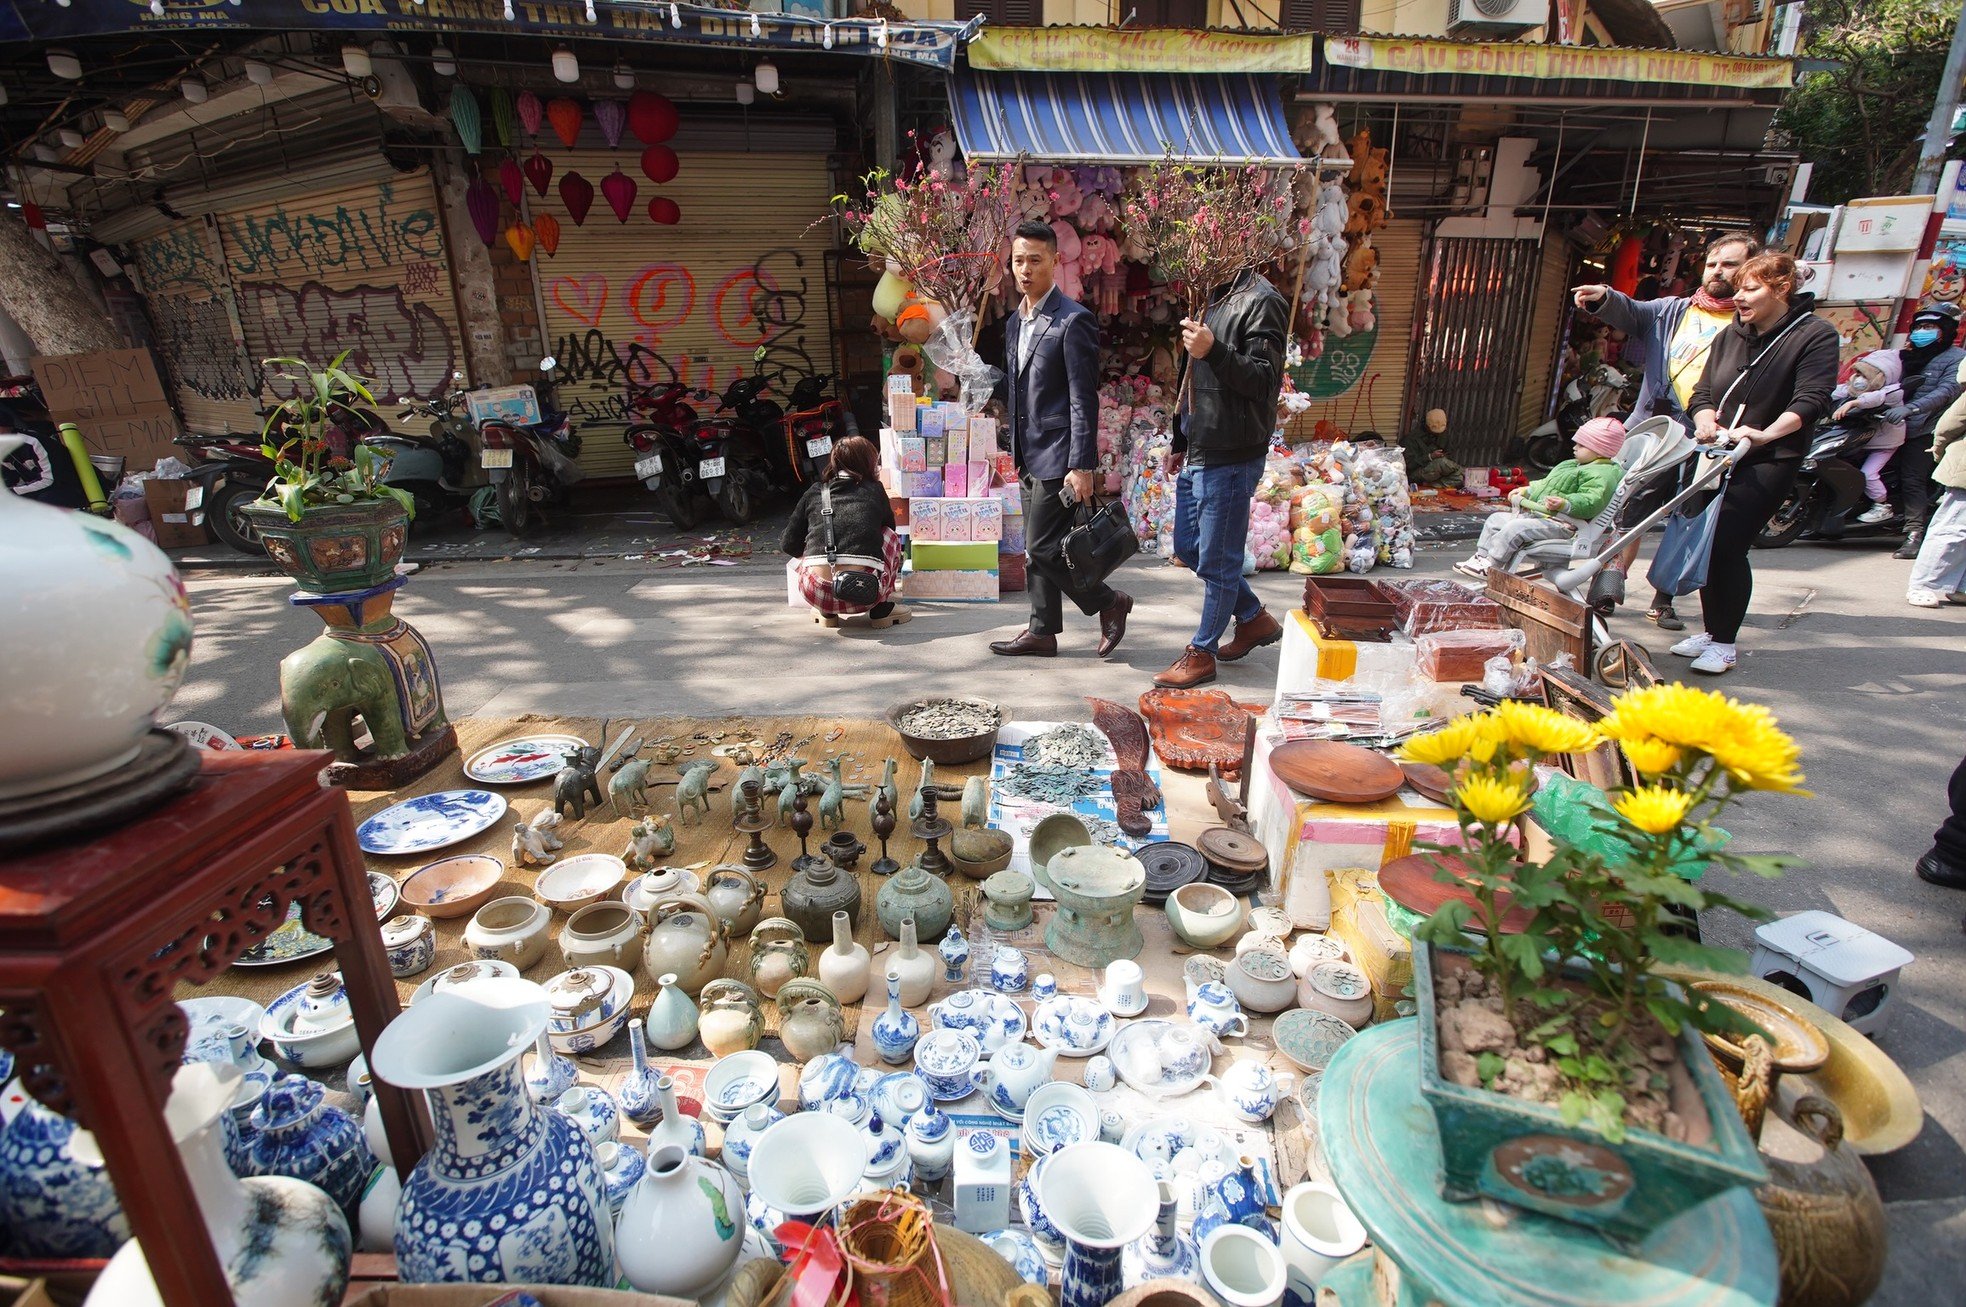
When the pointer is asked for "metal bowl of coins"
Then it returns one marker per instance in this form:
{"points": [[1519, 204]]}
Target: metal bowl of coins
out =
{"points": [[947, 729]]}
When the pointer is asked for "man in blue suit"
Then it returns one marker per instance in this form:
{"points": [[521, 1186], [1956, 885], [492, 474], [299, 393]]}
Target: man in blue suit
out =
{"points": [[1051, 413]]}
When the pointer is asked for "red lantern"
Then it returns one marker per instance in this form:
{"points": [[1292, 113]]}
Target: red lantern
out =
{"points": [[652, 117], [662, 209], [481, 201], [539, 171], [577, 193], [564, 113], [530, 112], [659, 164], [513, 180], [546, 229], [619, 188]]}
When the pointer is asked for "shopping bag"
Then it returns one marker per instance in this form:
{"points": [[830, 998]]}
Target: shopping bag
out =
{"points": [[1680, 566]]}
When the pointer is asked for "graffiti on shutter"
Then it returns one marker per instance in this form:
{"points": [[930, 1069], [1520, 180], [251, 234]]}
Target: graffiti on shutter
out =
{"points": [[189, 302]]}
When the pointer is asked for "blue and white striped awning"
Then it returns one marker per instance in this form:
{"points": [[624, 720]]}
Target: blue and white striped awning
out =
{"points": [[1120, 118]]}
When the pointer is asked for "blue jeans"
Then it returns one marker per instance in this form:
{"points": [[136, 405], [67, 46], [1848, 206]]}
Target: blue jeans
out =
{"points": [[1211, 531]]}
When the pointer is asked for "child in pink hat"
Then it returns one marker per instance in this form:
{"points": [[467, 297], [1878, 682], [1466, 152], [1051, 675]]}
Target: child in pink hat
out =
{"points": [[1575, 491]]}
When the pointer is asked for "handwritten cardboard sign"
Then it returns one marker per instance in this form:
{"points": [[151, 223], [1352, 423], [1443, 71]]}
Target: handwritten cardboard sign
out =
{"points": [[116, 398]]}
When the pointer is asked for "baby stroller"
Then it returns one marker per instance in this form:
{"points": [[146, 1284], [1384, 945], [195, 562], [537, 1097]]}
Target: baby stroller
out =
{"points": [[1656, 457]]}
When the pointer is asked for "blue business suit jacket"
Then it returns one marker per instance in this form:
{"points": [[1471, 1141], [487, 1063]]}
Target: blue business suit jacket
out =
{"points": [[1051, 404]]}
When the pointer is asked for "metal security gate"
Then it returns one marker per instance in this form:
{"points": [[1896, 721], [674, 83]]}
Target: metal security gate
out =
{"points": [[1471, 341]]}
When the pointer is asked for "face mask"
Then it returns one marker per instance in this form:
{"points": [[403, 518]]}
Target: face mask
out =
{"points": [[1858, 384], [1923, 336]]}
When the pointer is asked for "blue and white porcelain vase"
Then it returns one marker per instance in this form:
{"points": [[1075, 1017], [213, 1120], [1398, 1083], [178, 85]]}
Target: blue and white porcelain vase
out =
{"points": [[955, 955], [1230, 1192], [895, 1031], [297, 1134], [237, 1125], [550, 1073], [593, 1110], [637, 1093], [281, 1242], [510, 1191], [50, 1204], [1100, 1198], [1162, 1253], [1050, 1242], [621, 1167], [931, 1145], [674, 1126]]}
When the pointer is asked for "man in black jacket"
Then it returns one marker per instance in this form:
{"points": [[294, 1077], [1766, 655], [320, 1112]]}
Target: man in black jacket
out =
{"points": [[1235, 358], [1051, 414]]}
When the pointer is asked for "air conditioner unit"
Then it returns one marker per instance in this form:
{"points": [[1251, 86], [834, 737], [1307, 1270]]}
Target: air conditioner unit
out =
{"points": [[1496, 17]]}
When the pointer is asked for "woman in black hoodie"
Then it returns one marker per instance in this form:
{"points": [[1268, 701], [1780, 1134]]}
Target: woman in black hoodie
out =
{"points": [[1768, 380]]}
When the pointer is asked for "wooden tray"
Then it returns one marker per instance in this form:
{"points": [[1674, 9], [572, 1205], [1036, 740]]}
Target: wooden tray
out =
{"points": [[1193, 728], [1349, 608], [1336, 771], [1429, 780], [1410, 882]]}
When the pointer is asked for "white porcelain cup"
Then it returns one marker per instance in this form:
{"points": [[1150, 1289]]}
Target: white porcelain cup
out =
{"points": [[1142, 1061], [1099, 1074], [1242, 1268], [1044, 987], [1124, 987], [1319, 1231]]}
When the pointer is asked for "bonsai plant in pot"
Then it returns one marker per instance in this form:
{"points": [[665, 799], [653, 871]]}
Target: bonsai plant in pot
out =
{"points": [[326, 517], [1565, 1075]]}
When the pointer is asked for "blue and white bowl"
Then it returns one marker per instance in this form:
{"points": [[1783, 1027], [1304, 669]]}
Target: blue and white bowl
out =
{"points": [[312, 1031], [740, 1081], [594, 1026], [1076, 1027], [899, 1096], [830, 1075], [1058, 1114], [210, 1019], [1019, 1249]]}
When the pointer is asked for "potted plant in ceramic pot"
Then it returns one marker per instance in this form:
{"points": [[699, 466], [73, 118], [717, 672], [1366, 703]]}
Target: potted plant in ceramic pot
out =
{"points": [[1565, 1075], [326, 517]]}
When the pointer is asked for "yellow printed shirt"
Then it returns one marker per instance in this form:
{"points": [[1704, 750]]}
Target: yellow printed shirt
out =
{"points": [[1686, 355]]}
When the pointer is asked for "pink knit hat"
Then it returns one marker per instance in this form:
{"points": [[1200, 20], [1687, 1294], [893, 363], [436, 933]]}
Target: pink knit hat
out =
{"points": [[1601, 436]]}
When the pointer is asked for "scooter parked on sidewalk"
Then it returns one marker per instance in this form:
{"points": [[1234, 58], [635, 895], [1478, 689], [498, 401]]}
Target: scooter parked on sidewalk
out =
{"points": [[666, 453], [234, 471], [435, 469], [1828, 494], [815, 424], [1587, 396], [530, 464]]}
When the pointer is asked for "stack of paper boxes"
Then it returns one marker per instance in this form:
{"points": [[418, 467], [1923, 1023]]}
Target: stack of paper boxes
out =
{"points": [[940, 465]]}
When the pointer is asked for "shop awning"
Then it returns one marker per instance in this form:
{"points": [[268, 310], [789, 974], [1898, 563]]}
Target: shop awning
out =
{"points": [[1121, 118]]}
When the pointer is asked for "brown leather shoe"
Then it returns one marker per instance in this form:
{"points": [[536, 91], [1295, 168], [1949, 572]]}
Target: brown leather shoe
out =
{"points": [[1197, 667], [1258, 631], [1112, 622], [1026, 644]]}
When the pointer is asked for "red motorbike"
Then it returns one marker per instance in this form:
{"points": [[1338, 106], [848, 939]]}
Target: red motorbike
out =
{"points": [[666, 454]]}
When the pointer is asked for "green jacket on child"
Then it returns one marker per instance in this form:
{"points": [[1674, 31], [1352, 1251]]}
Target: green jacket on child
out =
{"points": [[1585, 488]]}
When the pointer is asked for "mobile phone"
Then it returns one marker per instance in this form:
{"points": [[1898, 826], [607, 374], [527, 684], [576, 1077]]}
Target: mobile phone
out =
{"points": [[1065, 495]]}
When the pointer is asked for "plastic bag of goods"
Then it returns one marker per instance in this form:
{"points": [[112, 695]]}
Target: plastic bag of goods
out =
{"points": [[1316, 545], [1382, 473]]}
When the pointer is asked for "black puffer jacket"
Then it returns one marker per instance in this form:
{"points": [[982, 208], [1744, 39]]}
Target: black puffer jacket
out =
{"points": [[860, 514], [1791, 368], [1233, 401]]}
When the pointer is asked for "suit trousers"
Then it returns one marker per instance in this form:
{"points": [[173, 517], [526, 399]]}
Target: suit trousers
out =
{"points": [[1045, 523]]}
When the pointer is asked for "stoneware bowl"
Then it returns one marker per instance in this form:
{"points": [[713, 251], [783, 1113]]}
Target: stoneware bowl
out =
{"points": [[980, 854], [580, 880], [966, 748], [1061, 830], [453, 887], [1203, 916], [591, 1030]]}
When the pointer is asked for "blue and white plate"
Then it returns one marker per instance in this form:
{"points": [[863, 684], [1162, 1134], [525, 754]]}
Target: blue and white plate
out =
{"points": [[521, 760], [210, 1018], [1075, 1027], [289, 942], [1019, 1249], [430, 821], [383, 894]]}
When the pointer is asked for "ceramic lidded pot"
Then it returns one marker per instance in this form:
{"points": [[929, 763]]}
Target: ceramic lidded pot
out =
{"points": [[729, 1018], [603, 934], [844, 967], [913, 892], [1310, 949], [778, 954], [931, 1145], [514, 930], [1096, 888], [51, 1204], [736, 896], [944, 1059], [642, 892], [96, 641], [810, 1021], [1252, 1090], [684, 935], [1261, 980], [682, 1227], [297, 1134], [1007, 901], [1340, 989], [1203, 916], [812, 896], [411, 944], [1010, 971]]}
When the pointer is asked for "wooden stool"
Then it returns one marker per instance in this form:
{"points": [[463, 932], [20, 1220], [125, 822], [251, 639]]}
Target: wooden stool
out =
{"points": [[96, 937]]}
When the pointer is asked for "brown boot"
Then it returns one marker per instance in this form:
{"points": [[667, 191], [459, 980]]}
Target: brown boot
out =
{"points": [[1258, 631], [1197, 667]]}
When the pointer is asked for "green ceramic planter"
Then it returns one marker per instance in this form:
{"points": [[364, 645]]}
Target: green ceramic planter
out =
{"points": [[1521, 1153], [336, 548]]}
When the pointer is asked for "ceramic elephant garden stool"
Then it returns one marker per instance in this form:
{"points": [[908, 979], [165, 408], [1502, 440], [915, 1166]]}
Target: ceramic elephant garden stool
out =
{"points": [[372, 665]]}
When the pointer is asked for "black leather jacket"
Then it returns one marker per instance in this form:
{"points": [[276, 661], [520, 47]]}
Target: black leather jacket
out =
{"points": [[1233, 401]]}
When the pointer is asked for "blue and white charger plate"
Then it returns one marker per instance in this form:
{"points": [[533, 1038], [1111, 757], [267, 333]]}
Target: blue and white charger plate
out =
{"points": [[293, 942], [430, 821], [522, 759]]}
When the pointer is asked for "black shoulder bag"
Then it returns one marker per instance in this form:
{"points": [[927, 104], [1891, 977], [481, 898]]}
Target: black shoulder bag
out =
{"points": [[851, 586], [1099, 542]]}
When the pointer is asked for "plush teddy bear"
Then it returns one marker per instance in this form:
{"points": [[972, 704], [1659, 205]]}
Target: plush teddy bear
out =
{"points": [[1065, 194], [1324, 132], [1359, 310], [1096, 213], [942, 159], [1367, 187], [1360, 263], [1333, 211], [1071, 281]]}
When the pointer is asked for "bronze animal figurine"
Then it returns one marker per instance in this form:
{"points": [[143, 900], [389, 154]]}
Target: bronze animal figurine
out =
{"points": [[630, 782], [693, 792], [793, 786], [832, 800], [576, 786]]}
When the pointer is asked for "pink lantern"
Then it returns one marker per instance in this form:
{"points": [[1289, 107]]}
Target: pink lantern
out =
{"points": [[619, 188], [481, 200], [577, 193], [611, 116], [531, 111]]}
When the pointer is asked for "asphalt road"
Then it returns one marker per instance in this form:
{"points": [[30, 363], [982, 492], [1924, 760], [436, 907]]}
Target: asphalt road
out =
{"points": [[1871, 687]]}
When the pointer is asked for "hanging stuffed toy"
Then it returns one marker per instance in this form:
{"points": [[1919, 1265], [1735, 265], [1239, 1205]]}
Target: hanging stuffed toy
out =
{"points": [[943, 161]]}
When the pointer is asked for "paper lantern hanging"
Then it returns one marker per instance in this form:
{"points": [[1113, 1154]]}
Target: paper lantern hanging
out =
{"points": [[577, 193], [652, 117], [481, 201], [659, 164], [505, 125], [620, 190], [565, 114], [611, 116], [539, 171], [513, 180], [466, 119], [546, 230], [531, 111], [520, 237], [662, 209]]}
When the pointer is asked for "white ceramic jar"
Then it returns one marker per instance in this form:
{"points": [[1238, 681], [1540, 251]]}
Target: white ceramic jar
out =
{"points": [[1261, 980], [95, 641], [682, 1227], [1203, 916], [510, 930]]}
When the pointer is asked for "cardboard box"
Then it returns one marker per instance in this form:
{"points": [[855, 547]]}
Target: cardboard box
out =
{"points": [[1012, 495], [898, 504], [955, 481], [932, 423], [983, 439], [901, 413], [952, 555], [914, 454], [922, 485], [935, 449], [177, 512], [925, 521], [1012, 540], [956, 587], [117, 399], [1005, 467], [1011, 578], [1358, 920], [986, 519]]}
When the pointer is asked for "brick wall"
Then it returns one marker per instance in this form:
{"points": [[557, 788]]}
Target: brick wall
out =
{"points": [[518, 314]]}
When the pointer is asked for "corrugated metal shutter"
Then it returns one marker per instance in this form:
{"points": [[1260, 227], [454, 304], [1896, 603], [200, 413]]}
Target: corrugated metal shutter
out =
{"points": [[189, 298], [691, 302], [1473, 340], [362, 268], [1552, 288], [1378, 380]]}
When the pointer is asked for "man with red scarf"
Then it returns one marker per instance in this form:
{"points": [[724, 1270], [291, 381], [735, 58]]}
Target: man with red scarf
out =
{"points": [[1674, 335]]}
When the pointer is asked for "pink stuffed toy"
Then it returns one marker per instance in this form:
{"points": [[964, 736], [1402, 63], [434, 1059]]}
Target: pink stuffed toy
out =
{"points": [[1099, 253], [1065, 194], [1070, 278]]}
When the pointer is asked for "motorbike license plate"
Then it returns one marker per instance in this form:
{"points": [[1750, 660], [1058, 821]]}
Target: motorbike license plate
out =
{"points": [[819, 446], [710, 468], [495, 458], [648, 467]]}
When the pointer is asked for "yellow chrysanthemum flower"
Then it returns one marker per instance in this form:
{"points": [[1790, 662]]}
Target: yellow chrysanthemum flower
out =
{"points": [[1651, 756], [1488, 737], [1441, 748], [1489, 800], [1654, 809], [1537, 729]]}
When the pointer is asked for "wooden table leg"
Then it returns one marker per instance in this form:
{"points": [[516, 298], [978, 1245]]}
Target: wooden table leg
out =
{"points": [[372, 991], [128, 1119]]}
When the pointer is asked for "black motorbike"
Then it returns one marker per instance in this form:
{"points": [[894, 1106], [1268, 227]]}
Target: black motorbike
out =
{"points": [[666, 451], [1829, 493], [432, 469]]}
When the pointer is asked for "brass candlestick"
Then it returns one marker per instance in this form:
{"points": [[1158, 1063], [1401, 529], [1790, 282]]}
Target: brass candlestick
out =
{"points": [[802, 827], [752, 821], [931, 828], [883, 827]]}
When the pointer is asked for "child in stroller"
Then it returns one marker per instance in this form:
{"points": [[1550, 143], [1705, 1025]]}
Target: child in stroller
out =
{"points": [[1574, 492], [1871, 386]]}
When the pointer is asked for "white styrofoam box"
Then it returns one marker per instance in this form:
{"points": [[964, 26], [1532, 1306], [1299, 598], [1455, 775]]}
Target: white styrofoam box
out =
{"points": [[792, 595], [1846, 970], [1386, 665]]}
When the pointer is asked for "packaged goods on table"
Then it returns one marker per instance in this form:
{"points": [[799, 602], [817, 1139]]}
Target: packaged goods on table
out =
{"points": [[1317, 547], [1382, 473], [1423, 607], [1461, 655]]}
